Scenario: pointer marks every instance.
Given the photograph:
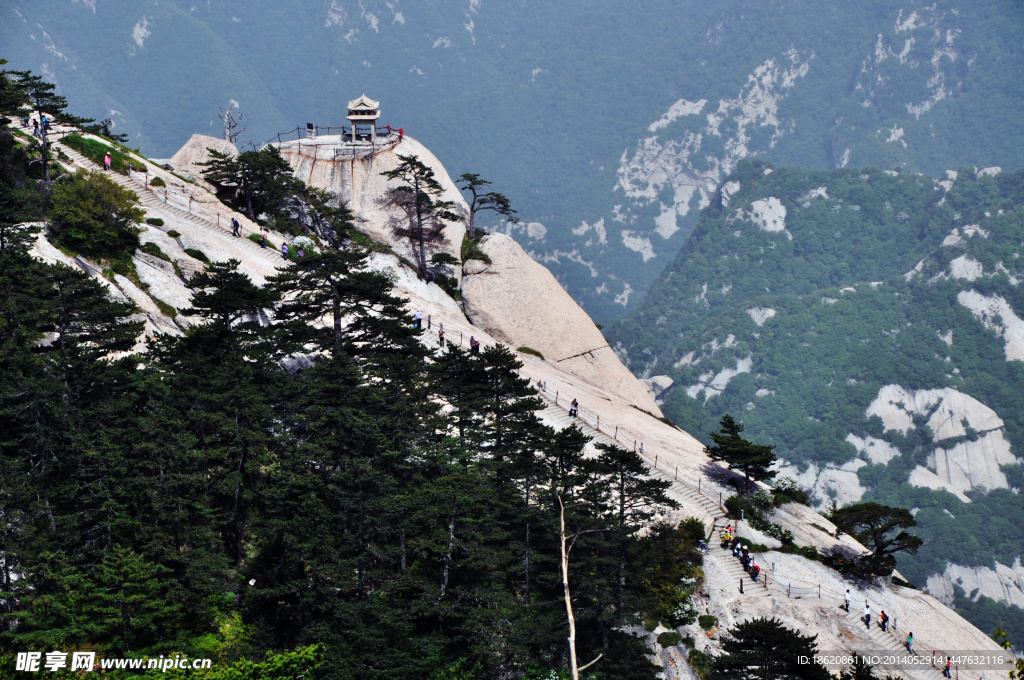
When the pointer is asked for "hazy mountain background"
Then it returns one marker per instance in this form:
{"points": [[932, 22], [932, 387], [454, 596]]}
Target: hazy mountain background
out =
{"points": [[608, 123], [868, 324], [611, 125]]}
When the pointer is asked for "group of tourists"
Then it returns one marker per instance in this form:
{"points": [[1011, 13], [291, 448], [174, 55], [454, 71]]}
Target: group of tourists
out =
{"points": [[741, 552], [38, 130]]}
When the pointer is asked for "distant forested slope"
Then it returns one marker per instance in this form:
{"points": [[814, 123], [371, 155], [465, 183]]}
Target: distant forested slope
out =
{"points": [[608, 123], [868, 324]]}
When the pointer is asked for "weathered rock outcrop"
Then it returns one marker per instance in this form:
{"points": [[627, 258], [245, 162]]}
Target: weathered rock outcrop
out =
{"points": [[518, 301], [970, 446], [323, 162], [832, 482], [195, 151], [1002, 584]]}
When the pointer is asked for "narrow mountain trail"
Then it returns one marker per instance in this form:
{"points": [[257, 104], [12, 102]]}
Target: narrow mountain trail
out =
{"points": [[149, 198], [861, 640]]}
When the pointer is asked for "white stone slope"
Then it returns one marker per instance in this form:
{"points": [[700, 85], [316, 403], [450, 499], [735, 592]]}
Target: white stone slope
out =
{"points": [[201, 221], [1002, 584], [523, 305], [358, 181], [959, 462], [514, 299], [518, 301], [186, 161]]}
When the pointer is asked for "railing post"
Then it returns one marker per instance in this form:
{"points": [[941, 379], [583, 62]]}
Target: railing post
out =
{"points": [[676, 478], [698, 483], [616, 433], [819, 591], [741, 586], [655, 461], [599, 423], [789, 590]]}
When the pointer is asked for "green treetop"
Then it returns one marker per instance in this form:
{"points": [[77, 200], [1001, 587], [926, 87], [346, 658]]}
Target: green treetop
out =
{"points": [[738, 453]]}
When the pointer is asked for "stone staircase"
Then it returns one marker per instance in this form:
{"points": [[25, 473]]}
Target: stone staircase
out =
{"points": [[149, 198], [732, 567], [886, 643], [680, 491]]}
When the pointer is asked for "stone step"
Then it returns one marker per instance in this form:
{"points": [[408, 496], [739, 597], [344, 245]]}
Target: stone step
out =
{"points": [[147, 198]]}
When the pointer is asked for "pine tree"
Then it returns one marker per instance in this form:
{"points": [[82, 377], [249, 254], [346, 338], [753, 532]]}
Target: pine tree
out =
{"points": [[44, 100], [226, 296], [262, 181], [764, 649], [481, 200], [859, 670], [417, 197], [635, 501], [754, 459], [881, 528]]}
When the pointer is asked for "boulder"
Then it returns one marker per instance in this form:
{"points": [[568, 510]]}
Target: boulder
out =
{"points": [[186, 161], [657, 385], [518, 301]]}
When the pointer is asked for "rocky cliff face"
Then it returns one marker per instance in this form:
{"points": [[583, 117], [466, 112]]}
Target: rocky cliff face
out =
{"points": [[516, 301], [970, 448], [356, 178]]}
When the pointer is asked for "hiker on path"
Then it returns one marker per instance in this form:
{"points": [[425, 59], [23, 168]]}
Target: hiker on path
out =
{"points": [[235, 227], [106, 162], [284, 250], [474, 346], [945, 671], [910, 642], [847, 600], [302, 253], [263, 240], [703, 547], [35, 127], [867, 614], [884, 619], [440, 338], [574, 409], [429, 322], [417, 320], [24, 121]]}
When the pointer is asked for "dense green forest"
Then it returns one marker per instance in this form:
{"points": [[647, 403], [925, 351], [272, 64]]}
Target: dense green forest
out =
{"points": [[332, 502], [848, 320], [546, 99]]}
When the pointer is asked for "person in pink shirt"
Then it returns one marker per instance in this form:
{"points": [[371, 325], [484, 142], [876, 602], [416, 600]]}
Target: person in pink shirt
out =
{"points": [[106, 162]]}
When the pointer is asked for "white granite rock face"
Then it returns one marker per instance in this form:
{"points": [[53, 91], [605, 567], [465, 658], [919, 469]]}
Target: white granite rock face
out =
{"points": [[1002, 584], [761, 314], [832, 482], [658, 385], [877, 452], [358, 181], [962, 460], [997, 315], [518, 301], [186, 161]]}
